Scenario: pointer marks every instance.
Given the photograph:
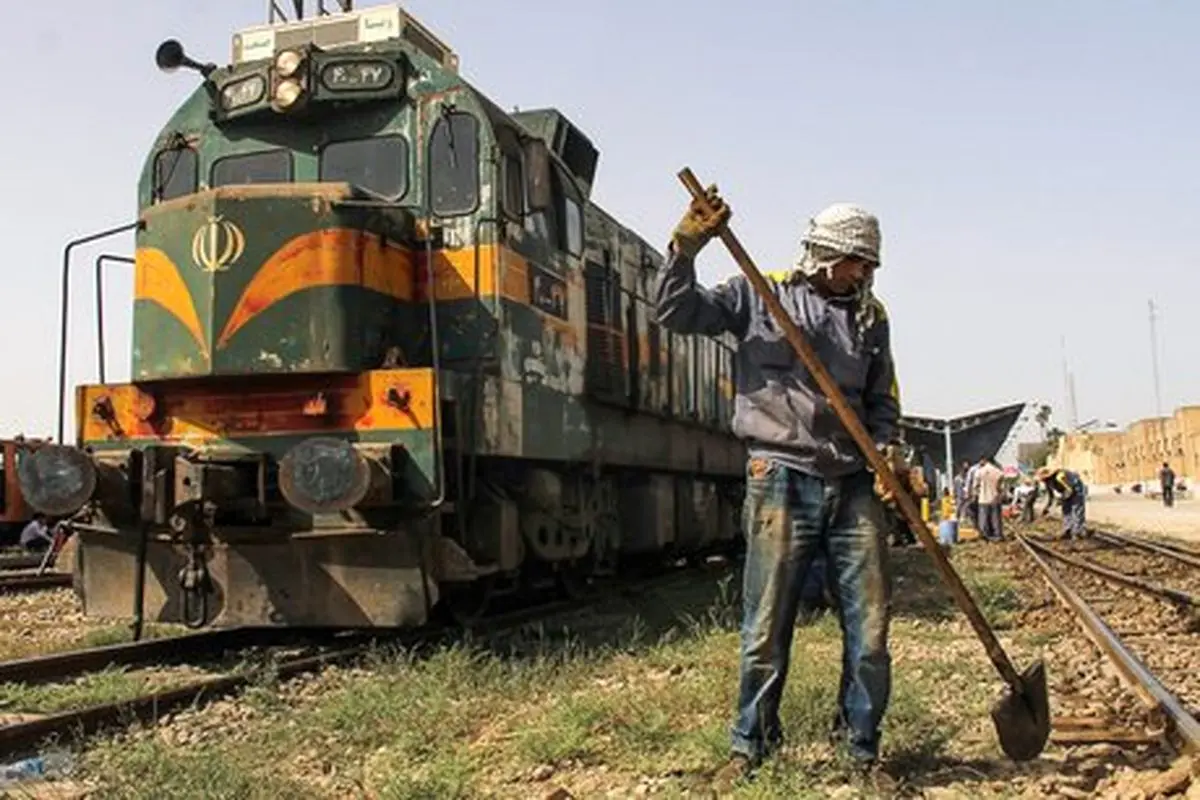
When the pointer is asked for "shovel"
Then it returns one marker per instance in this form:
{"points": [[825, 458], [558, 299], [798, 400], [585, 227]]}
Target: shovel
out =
{"points": [[1022, 713]]}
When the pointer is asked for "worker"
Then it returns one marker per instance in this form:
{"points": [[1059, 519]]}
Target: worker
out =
{"points": [[1166, 477], [36, 536], [808, 487], [1024, 497], [1070, 487], [972, 504], [987, 481]]}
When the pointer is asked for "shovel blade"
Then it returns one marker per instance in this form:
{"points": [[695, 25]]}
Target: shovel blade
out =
{"points": [[1022, 719]]}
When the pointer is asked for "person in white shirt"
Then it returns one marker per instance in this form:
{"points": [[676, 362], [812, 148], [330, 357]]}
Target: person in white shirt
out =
{"points": [[1024, 497], [36, 536], [987, 480]]}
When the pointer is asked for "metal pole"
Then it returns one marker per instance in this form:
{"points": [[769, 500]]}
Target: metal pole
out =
{"points": [[1154, 363], [100, 261], [62, 344]]}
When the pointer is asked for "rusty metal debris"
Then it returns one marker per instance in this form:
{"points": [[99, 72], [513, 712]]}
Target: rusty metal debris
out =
{"points": [[1135, 674], [1091, 730]]}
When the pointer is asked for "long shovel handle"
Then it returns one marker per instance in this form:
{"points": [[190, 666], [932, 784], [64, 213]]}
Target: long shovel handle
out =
{"points": [[849, 418]]}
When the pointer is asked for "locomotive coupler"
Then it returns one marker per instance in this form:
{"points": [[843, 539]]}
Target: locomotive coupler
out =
{"points": [[194, 578]]}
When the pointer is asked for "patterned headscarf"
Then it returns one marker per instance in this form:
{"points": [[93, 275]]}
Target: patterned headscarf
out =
{"points": [[841, 230]]}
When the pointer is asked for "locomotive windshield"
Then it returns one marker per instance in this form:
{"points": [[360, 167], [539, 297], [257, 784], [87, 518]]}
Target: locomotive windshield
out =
{"points": [[175, 173], [379, 165], [273, 166]]}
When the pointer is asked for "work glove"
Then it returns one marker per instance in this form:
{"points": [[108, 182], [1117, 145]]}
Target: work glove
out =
{"points": [[698, 224], [895, 459]]}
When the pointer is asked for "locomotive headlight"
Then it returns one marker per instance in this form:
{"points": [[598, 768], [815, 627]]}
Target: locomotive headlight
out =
{"points": [[287, 93], [323, 475], [56, 480], [288, 63]]}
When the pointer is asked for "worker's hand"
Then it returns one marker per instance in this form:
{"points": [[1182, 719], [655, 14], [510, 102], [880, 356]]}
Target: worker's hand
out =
{"points": [[702, 222], [895, 460]]}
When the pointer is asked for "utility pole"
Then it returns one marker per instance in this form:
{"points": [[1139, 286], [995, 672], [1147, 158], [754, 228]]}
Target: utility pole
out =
{"points": [[1069, 387], [1154, 362]]}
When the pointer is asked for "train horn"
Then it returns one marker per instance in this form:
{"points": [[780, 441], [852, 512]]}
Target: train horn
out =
{"points": [[170, 57]]}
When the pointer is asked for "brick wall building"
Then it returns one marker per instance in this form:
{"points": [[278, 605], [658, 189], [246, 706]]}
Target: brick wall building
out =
{"points": [[1135, 454]]}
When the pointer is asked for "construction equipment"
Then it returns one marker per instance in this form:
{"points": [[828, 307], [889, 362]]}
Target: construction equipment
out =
{"points": [[1022, 714]]}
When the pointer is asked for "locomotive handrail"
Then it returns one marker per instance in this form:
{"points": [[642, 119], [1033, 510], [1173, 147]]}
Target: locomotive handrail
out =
{"points": [[101, 260], [66, 302]]}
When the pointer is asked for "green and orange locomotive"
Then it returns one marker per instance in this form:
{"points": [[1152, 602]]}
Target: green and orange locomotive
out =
{"points": [[387, 355]]}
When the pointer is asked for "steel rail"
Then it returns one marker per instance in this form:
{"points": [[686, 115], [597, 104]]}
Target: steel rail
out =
{"points": [[1157, 590], [164, 650], [1116, 538], [23, 738], [20, 561], [1147, 687], [30, 582]]}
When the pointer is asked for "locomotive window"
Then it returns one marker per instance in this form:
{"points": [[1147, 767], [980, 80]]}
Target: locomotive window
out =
{"points": [[379, 165], [273, 166], [514, 187], [454, 164], [174, 173], [570, 216], [574, 227]]}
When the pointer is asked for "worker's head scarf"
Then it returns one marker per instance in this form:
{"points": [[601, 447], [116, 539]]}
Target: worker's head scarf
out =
{"points": [[841, 230]]}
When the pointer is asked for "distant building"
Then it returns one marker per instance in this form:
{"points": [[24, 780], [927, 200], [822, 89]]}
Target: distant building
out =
{"points": [[1134, 455]]}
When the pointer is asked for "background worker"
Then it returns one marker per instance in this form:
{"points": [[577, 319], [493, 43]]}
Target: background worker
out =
{"points": [[972, 490], [808, 488], [1069, 487], [960, 490], [36, 536], [1166, 478], [1025, 496], [987, 479]]}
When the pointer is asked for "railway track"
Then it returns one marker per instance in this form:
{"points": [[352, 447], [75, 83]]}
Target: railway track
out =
{"points": [[12, 582], [320, 649], [1141, 608]]}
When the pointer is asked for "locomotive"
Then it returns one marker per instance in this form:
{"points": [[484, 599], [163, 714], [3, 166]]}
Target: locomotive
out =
{"points": [[388, 355]]}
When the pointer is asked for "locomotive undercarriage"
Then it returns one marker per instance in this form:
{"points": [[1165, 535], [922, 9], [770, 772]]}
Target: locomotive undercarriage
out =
{"points": [[216, 554]]}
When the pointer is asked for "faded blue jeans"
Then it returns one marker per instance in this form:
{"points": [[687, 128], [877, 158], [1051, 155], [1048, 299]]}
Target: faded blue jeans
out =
{"points": [[789, 517], [1074, 517]]}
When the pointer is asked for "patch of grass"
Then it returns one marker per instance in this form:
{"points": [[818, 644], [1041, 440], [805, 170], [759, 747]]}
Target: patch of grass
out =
{"points": [[149, 768], [630, 694], [94, 688], [997, 596]]}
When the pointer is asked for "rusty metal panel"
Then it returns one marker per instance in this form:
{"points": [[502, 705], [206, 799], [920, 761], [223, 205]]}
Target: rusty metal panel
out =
{"points": [[371, 579], [647, 513]]}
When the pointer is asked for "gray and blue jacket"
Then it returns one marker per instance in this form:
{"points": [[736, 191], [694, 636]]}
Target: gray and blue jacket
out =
{"points": [[779, 410]]}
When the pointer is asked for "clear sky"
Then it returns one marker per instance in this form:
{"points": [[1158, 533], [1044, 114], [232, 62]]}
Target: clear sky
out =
{"points": [[1033, 164]]}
